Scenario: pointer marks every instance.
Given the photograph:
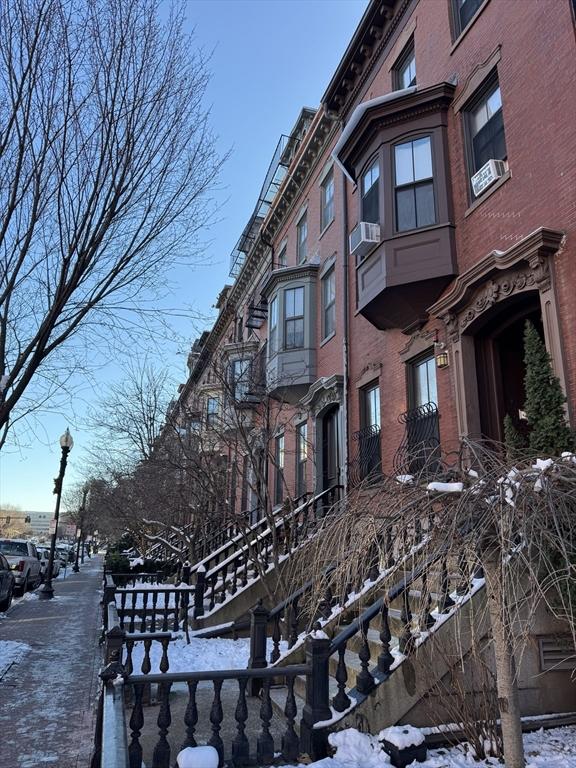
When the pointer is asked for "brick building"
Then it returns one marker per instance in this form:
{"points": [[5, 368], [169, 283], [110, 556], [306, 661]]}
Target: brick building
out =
{"points": [[405, 231]]}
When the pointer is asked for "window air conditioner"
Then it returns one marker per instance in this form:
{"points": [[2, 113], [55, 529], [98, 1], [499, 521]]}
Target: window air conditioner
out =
{"points": [[487, 175], [363, 238]]}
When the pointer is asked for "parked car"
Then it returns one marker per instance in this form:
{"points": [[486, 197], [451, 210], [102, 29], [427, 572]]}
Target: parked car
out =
{"points": [[44, 553], [24, 562], [63, 551], [6, 584]]}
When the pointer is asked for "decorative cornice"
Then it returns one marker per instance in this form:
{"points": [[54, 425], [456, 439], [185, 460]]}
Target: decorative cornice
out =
{"points": [[289, 275], [525, 266], [373, 34], [476, 78], [377, 115], [325, 390]]}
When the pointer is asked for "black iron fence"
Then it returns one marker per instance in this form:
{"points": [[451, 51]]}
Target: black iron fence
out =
{"points": [[419, 451], [367, 463]]}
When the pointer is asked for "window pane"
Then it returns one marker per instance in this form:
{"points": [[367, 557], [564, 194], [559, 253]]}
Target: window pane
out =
{"points": [[405, 209], [274, 313], [422, 158], [404, 168], [431, 371], [494, 102], [302, 442], [425, 214], [370, 177], [407, 74], [420, 386], [302, 238], [327, 200], [489, 143], [294, 333]]}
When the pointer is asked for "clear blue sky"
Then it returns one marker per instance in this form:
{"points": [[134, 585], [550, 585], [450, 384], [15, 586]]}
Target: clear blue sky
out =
{"points": [[270, 58]]}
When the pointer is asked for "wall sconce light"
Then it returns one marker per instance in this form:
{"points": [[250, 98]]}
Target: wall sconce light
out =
{"points": [[441, 355]]}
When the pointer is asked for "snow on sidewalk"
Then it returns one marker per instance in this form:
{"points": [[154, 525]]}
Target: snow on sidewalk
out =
{"points": [[11, 652], [555, 748]]}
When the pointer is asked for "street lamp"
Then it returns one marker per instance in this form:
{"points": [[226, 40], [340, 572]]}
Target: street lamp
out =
{"points": [[66, 443]]}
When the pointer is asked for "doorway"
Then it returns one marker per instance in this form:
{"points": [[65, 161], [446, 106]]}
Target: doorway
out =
{"points": [[330, 448], [500, 369]]}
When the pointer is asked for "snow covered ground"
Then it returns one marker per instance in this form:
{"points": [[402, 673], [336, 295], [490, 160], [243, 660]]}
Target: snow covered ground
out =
{"points": [[11, 653], [200, 654], [555, 748]]}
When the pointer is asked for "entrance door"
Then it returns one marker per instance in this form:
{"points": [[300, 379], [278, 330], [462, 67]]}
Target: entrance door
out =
{"points": [[330, 452], [500, 369]]}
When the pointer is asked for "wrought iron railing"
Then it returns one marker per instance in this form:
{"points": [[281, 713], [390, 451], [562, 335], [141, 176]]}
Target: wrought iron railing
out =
{"points": [[367, 464], [419, 451]]}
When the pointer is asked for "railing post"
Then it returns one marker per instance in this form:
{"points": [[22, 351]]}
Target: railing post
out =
{"points": [[317, 708], [199, 590], [258, 623], [186, 572], [115, 638], [109, 596]]}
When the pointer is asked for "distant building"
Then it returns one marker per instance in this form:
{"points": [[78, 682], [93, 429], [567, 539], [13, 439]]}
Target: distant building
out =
{"points": [[40, 522]]}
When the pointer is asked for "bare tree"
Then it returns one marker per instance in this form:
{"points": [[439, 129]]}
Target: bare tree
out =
{"points": [[106, 164], [515, 523]]}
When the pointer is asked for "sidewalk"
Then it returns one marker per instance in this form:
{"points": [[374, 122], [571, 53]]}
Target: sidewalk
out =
{"points": [[48, 697]]}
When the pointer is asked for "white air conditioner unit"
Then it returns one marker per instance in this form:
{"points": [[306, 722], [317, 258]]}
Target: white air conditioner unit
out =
{"points": [[363, 238], [487, 175]]}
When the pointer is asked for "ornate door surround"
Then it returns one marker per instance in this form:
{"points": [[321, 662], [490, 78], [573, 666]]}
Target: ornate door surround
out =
{"points": [[526, 266]]}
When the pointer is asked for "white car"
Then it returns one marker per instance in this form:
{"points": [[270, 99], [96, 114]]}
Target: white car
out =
{"points": [[44, 553]]}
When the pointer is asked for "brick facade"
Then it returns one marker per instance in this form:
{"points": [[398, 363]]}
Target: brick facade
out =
{"points": [[533, 45]]}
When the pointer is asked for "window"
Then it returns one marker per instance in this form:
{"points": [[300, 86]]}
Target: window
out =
{"points": [[424, 382], [279, 466], [486, 128], [405, 69], [301, 457], [414, 184], [293, 318], [302, 239], [327, 214], [371, 406], [273, 330], [464, 10], [212, 411], [329, 304], [370, 194], [282, 256], [240, 379]]}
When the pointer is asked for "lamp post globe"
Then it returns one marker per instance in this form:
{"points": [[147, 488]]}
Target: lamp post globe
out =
{"points": [[66, 444]]}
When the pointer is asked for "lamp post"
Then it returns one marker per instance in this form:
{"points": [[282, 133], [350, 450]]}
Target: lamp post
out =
{"points": [[66, 443]]}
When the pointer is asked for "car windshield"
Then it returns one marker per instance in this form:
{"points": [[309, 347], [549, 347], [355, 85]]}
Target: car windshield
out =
{"points": [[8, 547]]}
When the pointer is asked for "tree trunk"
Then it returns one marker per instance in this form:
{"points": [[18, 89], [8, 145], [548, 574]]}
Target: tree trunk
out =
{"points": [[506, 682]]}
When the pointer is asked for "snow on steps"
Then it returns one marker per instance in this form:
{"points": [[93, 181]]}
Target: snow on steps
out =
{"points": [[396, 694]]}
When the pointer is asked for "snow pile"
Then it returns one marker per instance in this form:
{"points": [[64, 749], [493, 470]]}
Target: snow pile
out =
{"points": [[199, 655], [555, 748], [405, 479], [11, 652], [445, 487], [198, 757], [402, 736]]}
